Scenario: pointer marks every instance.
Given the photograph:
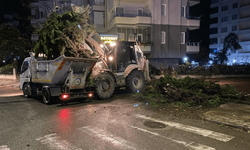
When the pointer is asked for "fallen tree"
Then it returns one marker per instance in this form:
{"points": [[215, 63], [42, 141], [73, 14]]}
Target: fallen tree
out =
{"points": [[190, 92]]}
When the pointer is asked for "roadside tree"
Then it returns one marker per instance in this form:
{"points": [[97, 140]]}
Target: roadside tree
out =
{"points": [[230, 45], [12, 44]]}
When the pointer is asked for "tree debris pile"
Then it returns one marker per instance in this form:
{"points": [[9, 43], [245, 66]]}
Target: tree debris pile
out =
{"points": [[70, 33], [190, 91]]}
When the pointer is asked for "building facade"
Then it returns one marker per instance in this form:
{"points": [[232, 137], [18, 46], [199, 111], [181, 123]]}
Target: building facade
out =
{"points": [[226, 17], [165, 29]]}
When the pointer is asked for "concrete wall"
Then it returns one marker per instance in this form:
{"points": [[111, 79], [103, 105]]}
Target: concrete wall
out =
{"points": [[172, 47]]}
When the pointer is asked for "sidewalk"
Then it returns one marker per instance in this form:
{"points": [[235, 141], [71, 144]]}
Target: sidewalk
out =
{"points": [[230, 114]]}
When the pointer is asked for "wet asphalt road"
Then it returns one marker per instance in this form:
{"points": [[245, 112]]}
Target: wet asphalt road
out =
{"points": [[115, 124]]}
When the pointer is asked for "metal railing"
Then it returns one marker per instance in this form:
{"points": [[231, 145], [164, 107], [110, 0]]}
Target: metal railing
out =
{"points": [[193, 43], [193, 18], [97, 3], [131, 15]]}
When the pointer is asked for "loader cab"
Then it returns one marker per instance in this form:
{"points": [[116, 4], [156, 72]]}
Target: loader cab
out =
{"points": [[123, 54]]}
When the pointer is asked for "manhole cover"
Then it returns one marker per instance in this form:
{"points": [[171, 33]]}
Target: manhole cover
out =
{"points": [[152, 124]]}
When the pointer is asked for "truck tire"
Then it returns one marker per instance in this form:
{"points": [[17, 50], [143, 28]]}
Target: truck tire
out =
{"points": [[26, 93], [105, 86], [135, 81], [47, 99]]}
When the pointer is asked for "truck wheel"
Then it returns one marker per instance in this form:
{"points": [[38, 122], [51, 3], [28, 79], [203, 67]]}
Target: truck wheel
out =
{"points": [[26, 91], [105, 86], [46, 97], [135, 81]]}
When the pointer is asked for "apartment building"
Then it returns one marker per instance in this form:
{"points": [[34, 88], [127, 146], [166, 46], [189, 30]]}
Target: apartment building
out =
{"points": [[230, 16], [41, 9], [165, 29]]}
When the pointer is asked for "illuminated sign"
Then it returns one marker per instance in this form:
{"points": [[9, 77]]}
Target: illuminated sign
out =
{"points": [[107, 38]]}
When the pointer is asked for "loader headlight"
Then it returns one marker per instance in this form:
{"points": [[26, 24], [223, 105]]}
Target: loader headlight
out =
{"points": [[111, 58]]}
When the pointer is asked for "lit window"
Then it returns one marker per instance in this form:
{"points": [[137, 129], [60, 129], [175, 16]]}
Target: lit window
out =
{"points": [[163, 35]]}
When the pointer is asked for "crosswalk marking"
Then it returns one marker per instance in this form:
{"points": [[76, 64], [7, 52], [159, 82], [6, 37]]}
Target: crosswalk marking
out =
{"points": [[107, 137], [199, 131], [4, 147], [192, 145], [53, 141]]}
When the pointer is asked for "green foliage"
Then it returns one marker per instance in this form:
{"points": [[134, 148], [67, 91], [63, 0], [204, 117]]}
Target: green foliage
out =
{"points": [[187, 92], [12, 43], [7, 68], [64, 34], [231, 42]]}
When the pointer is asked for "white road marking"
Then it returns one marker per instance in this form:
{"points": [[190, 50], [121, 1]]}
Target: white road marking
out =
{"points": [[4, 147], [199, 131], [53, 141], [191, 145], [103, 135]]}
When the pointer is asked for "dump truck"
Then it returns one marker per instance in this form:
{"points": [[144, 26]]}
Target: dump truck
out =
{"points": [[123, 65]]}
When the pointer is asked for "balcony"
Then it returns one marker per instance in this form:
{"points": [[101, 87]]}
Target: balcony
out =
{"points": [[130, 19], [146, 48], [193, 47], [193, 21], [97, 6]]}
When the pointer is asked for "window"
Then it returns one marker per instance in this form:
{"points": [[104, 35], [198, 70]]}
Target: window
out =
{"points": [[223, 19], [163, 35], [183, 11], [41, 14], [224, 29], [213, 41], [35, 13], [214, 20], [182, 37], [163, 9], [213, 30], [234, 28], [140, 12], [224, 8], [234, 17], [235, 5], [25, 66], [214, 10], [99, 18], [139, 38], [119, 10]]}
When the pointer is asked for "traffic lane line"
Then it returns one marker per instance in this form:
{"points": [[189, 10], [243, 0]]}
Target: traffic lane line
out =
{"points": [[107, 137], [191, 145], [203, 132], [53, 141]]}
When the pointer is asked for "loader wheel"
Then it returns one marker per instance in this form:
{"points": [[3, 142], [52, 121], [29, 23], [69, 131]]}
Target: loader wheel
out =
{"points": [[47, 99], [26, 91], [105, 86], [135, 81]]}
